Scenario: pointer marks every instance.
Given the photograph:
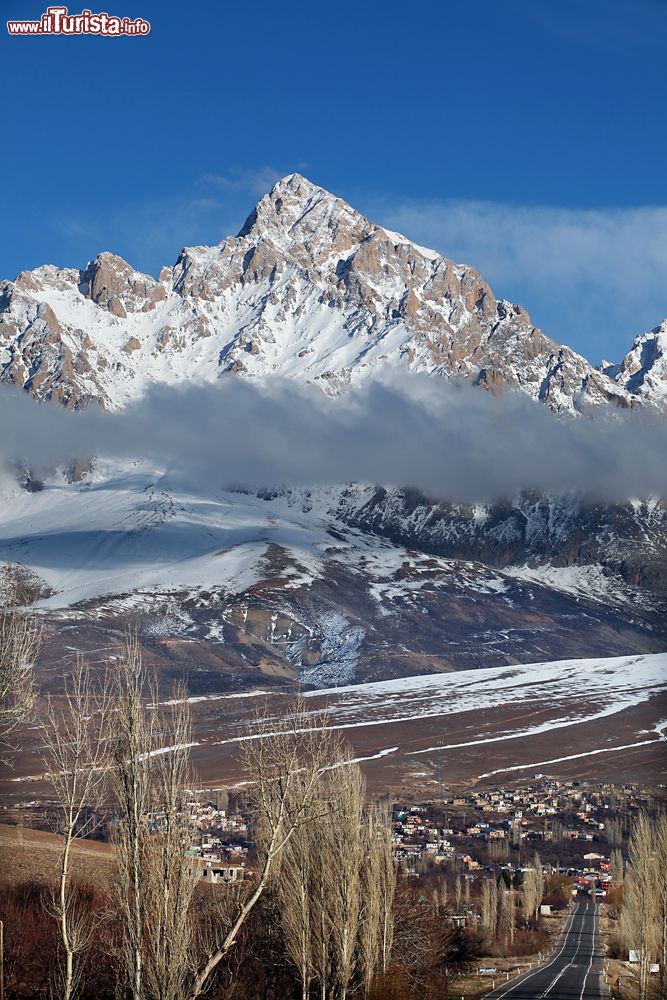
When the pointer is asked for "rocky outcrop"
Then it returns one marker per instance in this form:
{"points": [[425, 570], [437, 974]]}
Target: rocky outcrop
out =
{"points": [[110, 282], [629, 539], [643, 371]]}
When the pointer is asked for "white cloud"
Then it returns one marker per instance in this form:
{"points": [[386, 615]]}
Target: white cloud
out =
{"points": [[255, 180], [447, 438]]}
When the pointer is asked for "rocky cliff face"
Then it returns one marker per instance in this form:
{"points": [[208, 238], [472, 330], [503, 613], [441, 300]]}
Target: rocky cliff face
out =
{"points": [[643, 371], [309, 289], [628, 540]]}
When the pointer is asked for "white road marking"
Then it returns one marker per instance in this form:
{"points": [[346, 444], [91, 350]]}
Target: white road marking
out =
{"points": [[541, 968], [590, 964], [571, 963]]}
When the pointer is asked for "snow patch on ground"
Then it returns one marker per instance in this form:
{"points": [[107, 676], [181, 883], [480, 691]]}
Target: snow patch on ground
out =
{"points": [[340, 646], [124, 533], [579, 690], [575, 692], [581, 581]]}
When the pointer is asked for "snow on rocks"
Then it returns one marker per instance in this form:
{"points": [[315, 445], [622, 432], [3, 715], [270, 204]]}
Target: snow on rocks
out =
{"points": [[310, 290]]}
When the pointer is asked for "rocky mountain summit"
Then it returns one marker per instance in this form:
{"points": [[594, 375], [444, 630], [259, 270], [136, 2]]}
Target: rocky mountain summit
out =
{"points": [[309, 289]]}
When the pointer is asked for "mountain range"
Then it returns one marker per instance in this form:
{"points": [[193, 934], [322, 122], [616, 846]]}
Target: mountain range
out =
{"points": [[331, 586], [310, 290]]}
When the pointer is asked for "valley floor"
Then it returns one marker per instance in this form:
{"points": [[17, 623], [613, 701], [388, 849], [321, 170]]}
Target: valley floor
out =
{"points": [[604, 719]]}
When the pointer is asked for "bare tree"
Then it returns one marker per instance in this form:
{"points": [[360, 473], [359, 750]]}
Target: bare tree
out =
{"points": [[371, 912], [19, 646], [458, 893], [294, 890], [319, 888], [507, 914], [156, 879], [283, 759], [170, 875], [614, 829], [321, 910], [382, 877], [489, 905], [639, 915], [532, 890], [345, 855], [440, 899], [498, 849], [617, 870], [73, 733], [336, 886], [132, 740], [539, 882], [661, 887]]}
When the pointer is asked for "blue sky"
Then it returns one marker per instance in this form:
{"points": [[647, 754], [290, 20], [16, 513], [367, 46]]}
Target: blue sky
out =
{"points": [[527, 137]]}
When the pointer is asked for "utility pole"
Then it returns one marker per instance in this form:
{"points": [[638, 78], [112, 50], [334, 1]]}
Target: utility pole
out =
{"points": [[441, 765]]}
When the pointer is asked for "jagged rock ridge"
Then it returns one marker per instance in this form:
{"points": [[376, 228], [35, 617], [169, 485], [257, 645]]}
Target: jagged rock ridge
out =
{"points": [[309, 289]]}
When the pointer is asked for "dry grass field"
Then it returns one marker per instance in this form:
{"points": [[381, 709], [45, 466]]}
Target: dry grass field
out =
{"points": [[27, 854]]}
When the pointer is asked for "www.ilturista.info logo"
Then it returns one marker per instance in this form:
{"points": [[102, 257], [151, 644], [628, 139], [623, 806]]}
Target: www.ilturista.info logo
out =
{"points": [[57, 21]]}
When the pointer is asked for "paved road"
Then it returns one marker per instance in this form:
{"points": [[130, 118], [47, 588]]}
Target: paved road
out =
{"points": [[572, 972]]}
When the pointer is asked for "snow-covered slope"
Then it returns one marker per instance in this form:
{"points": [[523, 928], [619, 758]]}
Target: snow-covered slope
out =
{"points": [[564, 531], [287, 585], [552, 715], [309, 289], [603, 680]]}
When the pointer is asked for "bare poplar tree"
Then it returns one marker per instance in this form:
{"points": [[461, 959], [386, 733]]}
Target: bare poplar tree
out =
{"points": [[156, 881], [639, 914], [661, 845], [73, 734], [385, 878], [458, 893], [532, 890], [132, 740], [617, 872], [614, 831], [371, 911], [294, 891], [507, 914], [321, 912], [352, 884], [528, 895], [170, 875], [19, 646], [539, 882], [336, 885], [346, 794], [489, 905]]}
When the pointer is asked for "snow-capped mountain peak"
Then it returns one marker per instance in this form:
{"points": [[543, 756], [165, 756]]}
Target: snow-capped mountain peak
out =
{"points": [[643, 371], [309, 289], [298, 215]]}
